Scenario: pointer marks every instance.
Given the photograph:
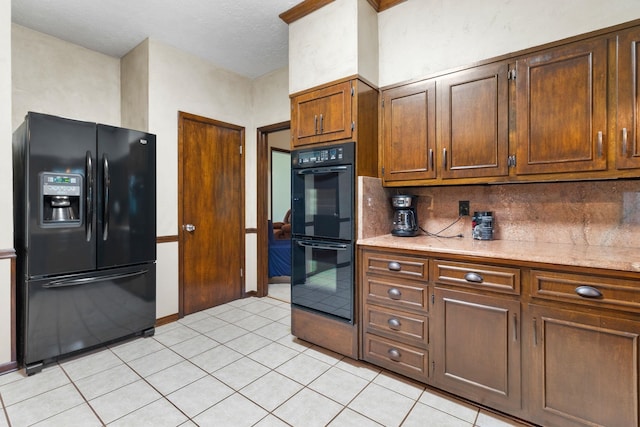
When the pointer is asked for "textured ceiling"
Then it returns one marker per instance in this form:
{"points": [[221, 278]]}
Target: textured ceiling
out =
{"points": [[244, 36]]}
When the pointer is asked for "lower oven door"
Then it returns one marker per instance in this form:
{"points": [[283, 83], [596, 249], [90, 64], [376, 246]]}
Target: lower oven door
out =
{"points": [[322, 277]]}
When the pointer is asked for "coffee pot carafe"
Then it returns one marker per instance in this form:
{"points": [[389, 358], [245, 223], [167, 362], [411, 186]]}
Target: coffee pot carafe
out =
{"points": [[405, 220]]}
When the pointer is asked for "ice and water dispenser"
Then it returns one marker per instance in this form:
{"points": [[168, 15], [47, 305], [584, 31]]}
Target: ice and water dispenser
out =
{"points": [[60, 199]]}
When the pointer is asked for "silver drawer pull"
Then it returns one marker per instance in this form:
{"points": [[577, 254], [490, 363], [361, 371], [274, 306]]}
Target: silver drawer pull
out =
{"points": [[394, 293], [588, 292], [394, 266], [473, 277], [394, 323], [394, 354]]}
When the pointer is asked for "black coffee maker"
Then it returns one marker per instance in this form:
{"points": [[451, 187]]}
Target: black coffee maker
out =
{"points": [[405, 220]]}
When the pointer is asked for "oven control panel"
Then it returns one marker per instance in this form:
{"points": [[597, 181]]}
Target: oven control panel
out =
{"points": [[333, 155]]}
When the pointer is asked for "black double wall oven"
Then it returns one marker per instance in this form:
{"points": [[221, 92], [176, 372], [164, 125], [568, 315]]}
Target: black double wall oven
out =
{"points": [[323, 229]]}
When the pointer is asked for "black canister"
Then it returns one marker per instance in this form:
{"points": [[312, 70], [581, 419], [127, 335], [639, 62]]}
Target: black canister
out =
{"points": [[482, 225]]}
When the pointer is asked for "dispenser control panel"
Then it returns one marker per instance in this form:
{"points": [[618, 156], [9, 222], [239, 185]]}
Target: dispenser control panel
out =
{"points": [[61, 185], [61, 199]]}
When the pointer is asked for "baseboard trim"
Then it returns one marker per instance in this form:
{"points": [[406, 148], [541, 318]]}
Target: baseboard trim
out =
{"points": [[167, 319]]}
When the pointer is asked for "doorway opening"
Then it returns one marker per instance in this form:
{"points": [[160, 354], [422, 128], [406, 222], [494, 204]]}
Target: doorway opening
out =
{"points": [[273, 143]]}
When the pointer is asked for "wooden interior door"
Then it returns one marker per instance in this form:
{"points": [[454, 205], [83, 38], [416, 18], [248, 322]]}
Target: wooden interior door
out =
{"points": [[211, 212]]}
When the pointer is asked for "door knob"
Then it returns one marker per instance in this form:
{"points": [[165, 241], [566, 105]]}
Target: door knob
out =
{"points": [[189, 227]]}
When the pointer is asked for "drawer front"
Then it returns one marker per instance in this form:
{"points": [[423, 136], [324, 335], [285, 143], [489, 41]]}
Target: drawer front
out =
{"points": [[585, 289], [392, 294], [406, 327], [401, 358], [477, 276], [400, 266]]}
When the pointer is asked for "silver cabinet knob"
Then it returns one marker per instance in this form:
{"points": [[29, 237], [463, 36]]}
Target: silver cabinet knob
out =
{"points": [[189, 227]]}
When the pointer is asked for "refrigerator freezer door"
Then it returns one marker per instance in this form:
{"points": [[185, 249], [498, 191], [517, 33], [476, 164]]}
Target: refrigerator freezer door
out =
{"points": [[58, 146], [76, 312], [126, 197]]}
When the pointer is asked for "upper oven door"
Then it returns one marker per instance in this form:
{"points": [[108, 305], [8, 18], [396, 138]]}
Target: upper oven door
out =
{"points": [[322, 202]]}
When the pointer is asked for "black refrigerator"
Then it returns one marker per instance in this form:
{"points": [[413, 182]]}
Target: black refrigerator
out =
{"points": [[85, 236]]}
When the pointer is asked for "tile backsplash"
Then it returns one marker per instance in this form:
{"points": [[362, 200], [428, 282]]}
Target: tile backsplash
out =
{"points": [[599, 213]]}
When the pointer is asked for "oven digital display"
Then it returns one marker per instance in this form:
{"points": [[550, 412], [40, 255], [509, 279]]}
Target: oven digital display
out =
{"points": [[320, 156]]}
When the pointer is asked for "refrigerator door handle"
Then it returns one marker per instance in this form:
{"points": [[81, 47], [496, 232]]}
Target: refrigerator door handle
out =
{"points": [[87, 280], [106, 186], [89, 199]]}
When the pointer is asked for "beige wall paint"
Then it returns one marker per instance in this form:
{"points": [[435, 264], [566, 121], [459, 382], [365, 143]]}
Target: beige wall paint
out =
{"points": [[179, 81], [55, 77], [418, 38], [134, 88], [6, 179], [323, 46], [337, 41]]}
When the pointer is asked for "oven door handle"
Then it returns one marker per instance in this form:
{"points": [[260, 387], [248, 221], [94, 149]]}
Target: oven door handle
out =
{"points": [[318, 171], [328, 246]]}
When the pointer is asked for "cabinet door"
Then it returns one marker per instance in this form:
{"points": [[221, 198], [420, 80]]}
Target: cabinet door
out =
{"points": [[474, 117], [409, 132], [585, 369], [561, 105], [322, 115], [476, 347], [628, 149]]}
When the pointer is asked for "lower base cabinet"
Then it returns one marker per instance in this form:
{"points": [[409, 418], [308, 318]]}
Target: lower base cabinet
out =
{"points": [[476, 352], [585, 369], [554, 347]]}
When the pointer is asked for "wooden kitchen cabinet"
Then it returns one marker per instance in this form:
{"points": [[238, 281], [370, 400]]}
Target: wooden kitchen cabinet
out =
{"points": [[409, 132], [554, 346], [473, 111], [395, 312], [585, 368], [584, 336], [561, 109], [322, 115], [476, 334], [470, 138], [628, 120]]}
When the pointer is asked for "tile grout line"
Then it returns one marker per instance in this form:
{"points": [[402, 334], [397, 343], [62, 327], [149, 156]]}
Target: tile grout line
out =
{"points": [[4, 411], [81, 394]]}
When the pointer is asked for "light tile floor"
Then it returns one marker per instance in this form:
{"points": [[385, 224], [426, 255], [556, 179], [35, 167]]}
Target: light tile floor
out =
{"points": [[232, 365]]}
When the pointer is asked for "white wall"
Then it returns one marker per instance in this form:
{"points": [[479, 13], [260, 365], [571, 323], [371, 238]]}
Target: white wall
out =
{"points": [[134, 88], [6, 179], [419, 37], [270, 104], [55, 77], [336, 41]]}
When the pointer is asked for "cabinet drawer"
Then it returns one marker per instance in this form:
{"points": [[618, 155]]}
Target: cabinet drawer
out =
{"points": [[392, 294], [401, 358], [477, 276], [586, 289], [400, 266], [410, 328]]}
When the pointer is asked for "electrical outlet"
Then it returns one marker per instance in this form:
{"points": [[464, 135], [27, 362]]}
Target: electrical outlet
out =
{"points": [[463, 208]]}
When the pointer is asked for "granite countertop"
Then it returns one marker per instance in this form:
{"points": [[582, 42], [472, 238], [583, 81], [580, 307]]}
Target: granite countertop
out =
{"points": [[611, 258]]}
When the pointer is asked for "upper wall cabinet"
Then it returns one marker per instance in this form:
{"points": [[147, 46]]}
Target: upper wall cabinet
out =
{"points": [[409, 132], [561, 107], [569, 111], [341, 111], [473, 134], [462, 132], [322, 115], [628, 120]]}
